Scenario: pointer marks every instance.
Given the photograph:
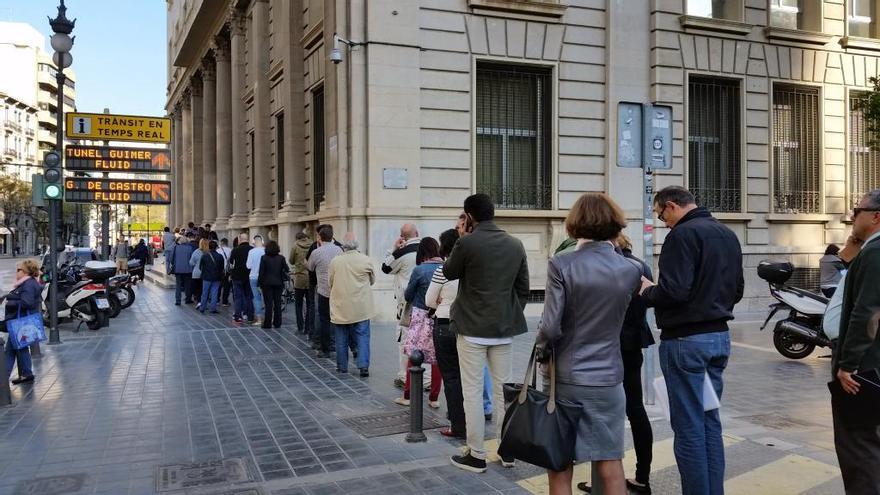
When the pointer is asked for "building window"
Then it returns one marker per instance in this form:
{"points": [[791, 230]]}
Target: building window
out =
{"points": [[805, 15], [253, 181], [279, 158], [318, 170], [714, 143], [860, 18], [716, 9], [864, 160], [513, 155], [796, 149]]}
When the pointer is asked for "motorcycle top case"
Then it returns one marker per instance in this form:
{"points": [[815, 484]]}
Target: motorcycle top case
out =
{"points": [[775, 271], [99, 270]]}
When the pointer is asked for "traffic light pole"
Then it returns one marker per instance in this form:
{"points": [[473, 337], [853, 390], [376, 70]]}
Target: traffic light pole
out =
{"points": [[54, 207]]}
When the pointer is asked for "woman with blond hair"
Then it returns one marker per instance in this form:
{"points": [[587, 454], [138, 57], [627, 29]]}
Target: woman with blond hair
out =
{"points": [[24, 298], [586, 298], [195, 262]]}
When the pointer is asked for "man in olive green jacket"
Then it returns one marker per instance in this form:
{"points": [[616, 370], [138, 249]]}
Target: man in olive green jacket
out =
{"points": [[487, 313], [857, 431], [301, 290]]}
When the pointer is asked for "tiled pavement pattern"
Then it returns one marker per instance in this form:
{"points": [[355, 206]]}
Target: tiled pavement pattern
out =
{"points": [[165, 386]]}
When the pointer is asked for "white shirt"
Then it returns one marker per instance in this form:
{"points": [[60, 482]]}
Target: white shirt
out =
{"points": [[226, 252], [255, 255], [831, 318]]}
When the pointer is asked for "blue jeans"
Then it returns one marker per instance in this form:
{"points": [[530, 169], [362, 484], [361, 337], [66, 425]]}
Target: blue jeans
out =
{"points": [[182, 285], [258, 297], [487, 391], [23, 356], [244, 299], [210, 293], [698, 447], [359, 331]]}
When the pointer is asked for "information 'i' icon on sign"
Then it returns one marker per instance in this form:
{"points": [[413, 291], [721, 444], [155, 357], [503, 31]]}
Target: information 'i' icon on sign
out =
{"points": [[82, 125]]}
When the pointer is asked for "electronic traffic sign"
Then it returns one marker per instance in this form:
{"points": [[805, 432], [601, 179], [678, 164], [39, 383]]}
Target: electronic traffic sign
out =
{"points": [[109, 127], [116, 159], [119, 191]]}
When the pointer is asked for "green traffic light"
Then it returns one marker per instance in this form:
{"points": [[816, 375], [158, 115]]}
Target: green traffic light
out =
{"points": [[52, 191]]}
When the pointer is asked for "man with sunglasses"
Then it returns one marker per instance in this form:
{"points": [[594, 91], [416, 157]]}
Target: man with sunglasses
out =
{"points": [[701, 279], [857, 432]]}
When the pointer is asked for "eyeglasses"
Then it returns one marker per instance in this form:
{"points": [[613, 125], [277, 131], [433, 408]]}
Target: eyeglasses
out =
{"points": [[856, 211], [660, 215], [19, 270]]}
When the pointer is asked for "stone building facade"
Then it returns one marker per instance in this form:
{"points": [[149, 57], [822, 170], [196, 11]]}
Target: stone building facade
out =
{"points": [[436, 99]]}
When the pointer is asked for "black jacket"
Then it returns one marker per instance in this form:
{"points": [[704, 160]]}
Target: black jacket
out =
{"points": [[636, 334], [27, 297], [701, 277], [273, 271], [211, 266], [238, 261]]}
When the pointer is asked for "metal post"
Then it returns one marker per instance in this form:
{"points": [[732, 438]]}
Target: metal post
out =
{"points": [[651, 352], [105, 232], [416, 401], [54, 212], [596, 485], [5, 393]]}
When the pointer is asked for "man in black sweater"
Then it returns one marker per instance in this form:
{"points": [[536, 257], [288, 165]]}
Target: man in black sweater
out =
{"points": [[241, 286], [701, 279]]}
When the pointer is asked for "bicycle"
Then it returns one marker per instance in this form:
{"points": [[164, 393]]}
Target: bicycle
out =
{"points": [[286, 294]]}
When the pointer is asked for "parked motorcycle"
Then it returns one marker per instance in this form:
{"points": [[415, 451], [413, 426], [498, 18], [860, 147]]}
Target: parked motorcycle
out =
{"points": [[121, 287], [84, 300], [797, 335]]}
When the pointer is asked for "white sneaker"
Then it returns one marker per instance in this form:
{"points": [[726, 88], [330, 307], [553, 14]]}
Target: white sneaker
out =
{"points": [[433, 403], [401, 401]]}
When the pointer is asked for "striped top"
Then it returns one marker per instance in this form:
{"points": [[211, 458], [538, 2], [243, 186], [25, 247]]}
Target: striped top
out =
{"points": [[441, 293]]}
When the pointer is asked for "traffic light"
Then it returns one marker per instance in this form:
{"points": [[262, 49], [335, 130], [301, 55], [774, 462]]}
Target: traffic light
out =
{"points": [[53, 177]]}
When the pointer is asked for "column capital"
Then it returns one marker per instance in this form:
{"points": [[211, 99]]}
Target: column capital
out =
{"points": [[208, 69], [195, 88], [220, 47], [237, 21]]}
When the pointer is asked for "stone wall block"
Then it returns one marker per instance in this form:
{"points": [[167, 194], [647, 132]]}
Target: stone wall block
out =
{"points": [[516, 38], [772, 58], [497, 35], [477, 37], [553, 42], [715, 54], [797, 63], [701, 45], [728, 55], [688, 51], [742, 57], [535, 33]]}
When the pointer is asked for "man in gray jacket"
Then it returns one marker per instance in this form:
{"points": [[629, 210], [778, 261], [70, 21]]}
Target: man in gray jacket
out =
{"points": [[493, 275]]}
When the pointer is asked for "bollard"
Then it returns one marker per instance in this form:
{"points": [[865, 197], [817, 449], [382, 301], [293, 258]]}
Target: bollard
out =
{"points": [[35, 350], [5, 393], [416, 401], [595, 480]]}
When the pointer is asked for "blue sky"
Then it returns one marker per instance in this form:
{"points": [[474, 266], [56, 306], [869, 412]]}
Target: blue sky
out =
{"points": [[119, 53]]}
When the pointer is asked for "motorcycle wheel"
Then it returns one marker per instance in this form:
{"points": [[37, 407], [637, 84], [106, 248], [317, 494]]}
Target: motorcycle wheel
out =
{"points": [[125, 296], [791, 348], [115, 305], [99, 321]]}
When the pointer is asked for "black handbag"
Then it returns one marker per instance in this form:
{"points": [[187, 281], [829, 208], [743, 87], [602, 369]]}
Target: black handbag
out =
{"points": [[539, 428]]}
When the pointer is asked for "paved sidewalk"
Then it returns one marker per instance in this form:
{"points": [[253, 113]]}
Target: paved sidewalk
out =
{"points": [[170, 401]]}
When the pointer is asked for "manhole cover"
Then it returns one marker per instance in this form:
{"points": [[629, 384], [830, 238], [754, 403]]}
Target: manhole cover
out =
{"points": [[182, 476], [344, 408], [387, 423], [775, 421], [55, 485]]}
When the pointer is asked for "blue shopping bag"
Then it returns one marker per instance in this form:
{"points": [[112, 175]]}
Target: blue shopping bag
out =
{"points": [[26, 330]]}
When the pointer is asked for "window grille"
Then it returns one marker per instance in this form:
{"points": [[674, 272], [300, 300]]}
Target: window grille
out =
{"points": [[318, 147], [796, 149], [714, 143], [279, 158], [513, 155], [864, 161]]}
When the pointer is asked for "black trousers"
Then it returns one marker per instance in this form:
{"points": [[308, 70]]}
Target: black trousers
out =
{"points": [[305, 325], [272, 304], [858, 453], [447, 360], [326, 328], [225, 289], [643, 437], [196, 285]]}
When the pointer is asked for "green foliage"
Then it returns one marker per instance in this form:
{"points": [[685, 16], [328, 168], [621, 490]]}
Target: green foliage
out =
{"points": [[870, 107]]}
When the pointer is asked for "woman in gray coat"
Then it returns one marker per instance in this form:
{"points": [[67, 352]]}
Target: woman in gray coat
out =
{"points": [[586, 297]]}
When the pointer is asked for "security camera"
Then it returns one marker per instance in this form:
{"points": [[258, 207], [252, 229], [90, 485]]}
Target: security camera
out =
{"points": [[336, 56]]}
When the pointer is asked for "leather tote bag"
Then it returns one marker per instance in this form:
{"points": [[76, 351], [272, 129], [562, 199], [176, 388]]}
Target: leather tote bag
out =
{"points": [[538, 428]]}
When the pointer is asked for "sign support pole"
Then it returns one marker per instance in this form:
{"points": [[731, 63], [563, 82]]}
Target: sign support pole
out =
{"points": [[105, 218], [648, 222], [54, 206]]}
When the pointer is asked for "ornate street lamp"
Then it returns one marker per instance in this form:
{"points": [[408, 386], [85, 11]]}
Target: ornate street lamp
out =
{"points": [[62, 42]]}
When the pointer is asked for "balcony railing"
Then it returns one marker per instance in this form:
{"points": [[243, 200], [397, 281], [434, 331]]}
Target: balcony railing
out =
{"points": [[11, 124]]}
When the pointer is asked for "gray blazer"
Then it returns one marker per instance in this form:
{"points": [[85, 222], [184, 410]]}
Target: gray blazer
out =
{"points": [[585, 301]]}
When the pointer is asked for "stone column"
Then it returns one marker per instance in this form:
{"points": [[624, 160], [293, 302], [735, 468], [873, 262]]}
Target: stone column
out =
{"points": [[176, 207], [239, 163], [194, 193], [223, 134], [186, 176], [262, 212], [294, 125], [209, 143]]}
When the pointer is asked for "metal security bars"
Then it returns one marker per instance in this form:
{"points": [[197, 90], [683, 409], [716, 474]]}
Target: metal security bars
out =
{"points": [[714, 143], [796, 161], [864, 161], [513, 151], [318, 147]]}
